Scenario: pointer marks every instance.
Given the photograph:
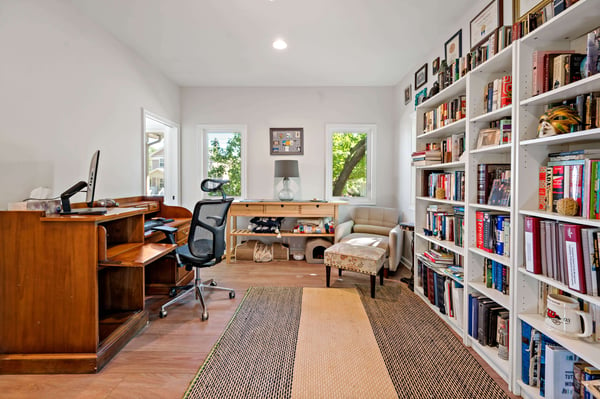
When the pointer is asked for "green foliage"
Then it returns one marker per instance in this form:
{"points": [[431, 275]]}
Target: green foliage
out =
{"points": [[226, 162], [349, 172]]}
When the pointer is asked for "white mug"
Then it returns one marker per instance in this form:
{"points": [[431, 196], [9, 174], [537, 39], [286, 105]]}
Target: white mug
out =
{"points": [[562, 315]]}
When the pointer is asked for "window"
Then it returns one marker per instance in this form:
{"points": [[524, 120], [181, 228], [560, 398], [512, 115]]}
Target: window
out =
{"points": [[350, 167], [161, 157], [224, 157]]}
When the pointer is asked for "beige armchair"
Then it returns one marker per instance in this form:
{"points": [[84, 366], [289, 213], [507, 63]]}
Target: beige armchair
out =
{"points": [[376, 227]]}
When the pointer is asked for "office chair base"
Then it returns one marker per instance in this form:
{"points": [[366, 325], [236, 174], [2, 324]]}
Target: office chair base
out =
{"points": [[196, 288]]}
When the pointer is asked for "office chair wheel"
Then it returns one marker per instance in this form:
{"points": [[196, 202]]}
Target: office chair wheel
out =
{"points": [[204, 316], [231, 294], [173, 292], [213, 283], [162, 314]]}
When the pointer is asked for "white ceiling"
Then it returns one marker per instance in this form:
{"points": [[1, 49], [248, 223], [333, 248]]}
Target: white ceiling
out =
{"points": [[330, 42]]}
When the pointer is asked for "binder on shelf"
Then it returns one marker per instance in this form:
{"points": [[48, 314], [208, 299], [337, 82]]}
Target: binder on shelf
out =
{"points": [[532, 245]]}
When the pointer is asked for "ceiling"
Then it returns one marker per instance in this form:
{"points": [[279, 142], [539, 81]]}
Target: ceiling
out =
{"points": [[330, 42]]}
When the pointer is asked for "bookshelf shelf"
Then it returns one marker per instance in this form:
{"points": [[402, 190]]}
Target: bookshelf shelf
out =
{"points": [[493, 115], [504, 260], [485, 207], [456, 88], [563, 287], [495, 295], [528, 392], [490, 354], [445, 244], [447, 130], [447, 165], [562, 218], [440, 201], [585, 136], [501, 149], [501, 62], [585, 350]]}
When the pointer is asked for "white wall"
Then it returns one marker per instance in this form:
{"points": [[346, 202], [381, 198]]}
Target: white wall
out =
{"points": [[309, 108], [68, 88], [405, 115]]}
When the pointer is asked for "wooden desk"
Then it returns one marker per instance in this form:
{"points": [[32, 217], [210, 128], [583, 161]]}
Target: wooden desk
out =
{"points": [[295, 209], [72, 288]]}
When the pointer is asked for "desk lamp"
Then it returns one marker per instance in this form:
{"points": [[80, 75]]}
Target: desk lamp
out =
{"points": [[286, 169]]}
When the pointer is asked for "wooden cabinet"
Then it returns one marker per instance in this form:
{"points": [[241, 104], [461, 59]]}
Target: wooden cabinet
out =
{"points": [[72, 288], [294, 209]]}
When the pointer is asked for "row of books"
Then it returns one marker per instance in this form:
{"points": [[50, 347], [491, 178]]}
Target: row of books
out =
{"points": [[496, 275], [496, 176], [459, 226], [556, 371], [426, 157], [571, 174], [498, 93], [556, 68], [489, 323], [451, 147], [453, 184], [535, 19], [440, 223], [568, 253], [587, 107], [492, 232], [442, 291], [445, 114]]}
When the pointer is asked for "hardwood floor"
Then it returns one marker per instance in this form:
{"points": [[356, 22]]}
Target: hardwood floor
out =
{"points": [[162, 360]]}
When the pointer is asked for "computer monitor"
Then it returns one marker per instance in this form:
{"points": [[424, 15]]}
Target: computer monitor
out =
{"points": [[79, 186]]}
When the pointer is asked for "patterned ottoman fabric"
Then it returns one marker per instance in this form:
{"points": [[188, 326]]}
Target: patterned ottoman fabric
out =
{"points": [[357, 258]]}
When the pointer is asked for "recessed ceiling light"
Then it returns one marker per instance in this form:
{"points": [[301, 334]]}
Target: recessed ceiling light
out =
{"points": [[279, 44]]}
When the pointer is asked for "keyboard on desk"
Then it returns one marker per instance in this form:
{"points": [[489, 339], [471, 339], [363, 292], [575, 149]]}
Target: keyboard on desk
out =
{"points": [[150, 224]]}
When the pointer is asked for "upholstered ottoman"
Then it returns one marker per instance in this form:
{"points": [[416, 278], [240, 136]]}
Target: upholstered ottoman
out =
{"points": [[356, 258]]}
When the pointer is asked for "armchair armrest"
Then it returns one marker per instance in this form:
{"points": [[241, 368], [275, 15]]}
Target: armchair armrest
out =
{"points": [[396, 241], [342, 230]]}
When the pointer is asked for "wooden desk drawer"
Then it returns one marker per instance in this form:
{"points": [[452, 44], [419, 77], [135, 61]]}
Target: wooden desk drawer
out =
{"points": [[182, 234], [247, 210], [282, 210], [317, 210]]}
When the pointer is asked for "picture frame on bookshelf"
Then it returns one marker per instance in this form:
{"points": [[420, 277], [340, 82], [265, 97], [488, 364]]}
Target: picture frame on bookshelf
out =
{"points": [[453, 47], [485, 23], [435, 66], [421, 76], [523, 7], [489, 138], [407, 94]]}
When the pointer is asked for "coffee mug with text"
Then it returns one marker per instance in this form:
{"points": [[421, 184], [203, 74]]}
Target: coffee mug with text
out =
{"points": [[563, 315]]}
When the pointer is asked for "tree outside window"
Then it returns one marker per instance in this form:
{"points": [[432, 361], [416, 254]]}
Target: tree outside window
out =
{"points": [[224, 156]]}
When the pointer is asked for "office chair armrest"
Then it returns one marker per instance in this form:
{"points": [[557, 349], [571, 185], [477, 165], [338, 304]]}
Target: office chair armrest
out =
{"points": [[169, 232]]}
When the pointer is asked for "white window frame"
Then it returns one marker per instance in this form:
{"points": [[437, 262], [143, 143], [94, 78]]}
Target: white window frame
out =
{"points": [[371, 131], [203, 131]]}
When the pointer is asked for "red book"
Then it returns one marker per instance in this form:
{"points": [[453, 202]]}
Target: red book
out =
{"points": [[558, 185], [574, 257], [506, 91], [537, 77], [543, 194], [533, 257], [479, 229]]}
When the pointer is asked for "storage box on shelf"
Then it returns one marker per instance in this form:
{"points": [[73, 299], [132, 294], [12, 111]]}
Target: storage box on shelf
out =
{"points": [[566, 32]]}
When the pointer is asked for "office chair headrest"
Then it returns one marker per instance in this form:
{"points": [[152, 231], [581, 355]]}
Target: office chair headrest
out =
{"points": [[212, 185]]}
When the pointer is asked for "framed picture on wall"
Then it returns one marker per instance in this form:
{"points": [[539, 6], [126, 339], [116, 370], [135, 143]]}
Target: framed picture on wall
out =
{"points": [[407, 95], [453, 47], [485, 23], [421, 77], [286, 141], [435, 66], [523, 7]]}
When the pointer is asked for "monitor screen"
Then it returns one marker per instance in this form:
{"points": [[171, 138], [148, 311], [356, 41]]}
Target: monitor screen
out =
{"points": [[91, 184]]}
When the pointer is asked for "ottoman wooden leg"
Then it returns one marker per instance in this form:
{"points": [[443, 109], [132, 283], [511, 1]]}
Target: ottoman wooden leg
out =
{"points": [[373, 278], [381, 273], [327, 274], [340, 272]]}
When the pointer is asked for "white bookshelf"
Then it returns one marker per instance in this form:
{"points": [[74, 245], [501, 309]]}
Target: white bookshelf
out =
{"points": [[526, 154], [562, 32]]}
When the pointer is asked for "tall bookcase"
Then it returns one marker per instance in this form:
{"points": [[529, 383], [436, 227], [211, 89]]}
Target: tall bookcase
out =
{"points": [[565, 31], [525, 154]]}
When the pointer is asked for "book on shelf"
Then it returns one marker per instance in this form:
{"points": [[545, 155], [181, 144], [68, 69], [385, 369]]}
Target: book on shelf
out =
{"points": [[496, 275], [487, 316], [539, 72], [457, 302], [486, 173], [503, 334], [545, 341], [559, 372], [530, 350], [500, 193], [574, 257], [592, 51], [532, 248], [473, 325]]}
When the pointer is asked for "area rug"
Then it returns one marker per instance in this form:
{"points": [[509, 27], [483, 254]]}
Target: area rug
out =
{"points": [[339, 343]]}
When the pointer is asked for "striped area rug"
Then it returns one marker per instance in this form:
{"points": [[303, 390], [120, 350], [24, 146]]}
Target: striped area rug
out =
{"points": [[339, 343]]}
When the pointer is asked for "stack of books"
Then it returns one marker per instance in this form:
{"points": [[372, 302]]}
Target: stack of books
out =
{"points": [[428, 157]]}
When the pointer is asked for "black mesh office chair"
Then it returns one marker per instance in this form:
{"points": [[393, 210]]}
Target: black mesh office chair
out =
{"points": [[206, 244]]}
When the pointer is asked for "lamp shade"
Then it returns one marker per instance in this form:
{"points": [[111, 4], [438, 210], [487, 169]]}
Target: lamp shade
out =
{"points": [[286, 168]]}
